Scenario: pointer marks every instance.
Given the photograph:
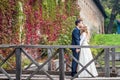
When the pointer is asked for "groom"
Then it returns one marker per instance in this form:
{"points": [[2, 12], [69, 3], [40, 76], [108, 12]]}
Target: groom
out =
{"points": [[76, 41]]}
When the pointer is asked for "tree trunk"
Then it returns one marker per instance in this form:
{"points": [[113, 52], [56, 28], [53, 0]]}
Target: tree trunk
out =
{"points": [[112, 17]]}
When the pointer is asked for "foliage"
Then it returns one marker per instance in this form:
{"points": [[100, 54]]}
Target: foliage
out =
{"points": [[36, 17], [36, 22], [65, 36], [8, 28], [107, 3], [104, 39], [49, 9], [25, 61], [107, 20], [10, 64], [112, 9], [47, 18]]}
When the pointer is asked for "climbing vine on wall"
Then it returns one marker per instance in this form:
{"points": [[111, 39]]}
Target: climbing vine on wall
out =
{"points": [[41, 17], [36, 22]]}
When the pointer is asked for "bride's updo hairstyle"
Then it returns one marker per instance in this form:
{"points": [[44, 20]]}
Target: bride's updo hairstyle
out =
{"points": [[84, 29]]}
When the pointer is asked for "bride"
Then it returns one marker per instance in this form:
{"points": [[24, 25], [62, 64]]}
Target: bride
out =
{"points": [[86, 55]]}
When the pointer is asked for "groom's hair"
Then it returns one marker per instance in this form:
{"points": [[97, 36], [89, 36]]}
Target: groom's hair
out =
{"points": [[77, 21]]}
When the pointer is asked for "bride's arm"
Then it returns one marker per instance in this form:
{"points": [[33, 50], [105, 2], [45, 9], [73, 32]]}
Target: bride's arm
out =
{"points": [[83, 38]]}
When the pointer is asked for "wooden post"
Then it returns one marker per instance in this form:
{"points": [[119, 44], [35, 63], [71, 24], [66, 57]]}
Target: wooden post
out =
{"points": [[113, 60], [49, 55], [3, 71], [61, 64], [18, 64], [107, 66]]}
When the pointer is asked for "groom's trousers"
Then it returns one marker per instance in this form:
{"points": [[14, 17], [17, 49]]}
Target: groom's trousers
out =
{"points": [[74, 63]]}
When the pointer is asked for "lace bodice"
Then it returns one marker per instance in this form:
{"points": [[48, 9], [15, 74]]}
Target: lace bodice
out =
{"points": [[84, 39]]}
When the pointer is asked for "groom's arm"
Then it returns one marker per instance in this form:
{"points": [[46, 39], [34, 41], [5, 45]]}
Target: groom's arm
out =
{"points": [[76, 37]]}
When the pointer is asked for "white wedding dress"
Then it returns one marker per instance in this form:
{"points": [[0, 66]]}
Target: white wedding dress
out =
{"points": [[84, 57]]}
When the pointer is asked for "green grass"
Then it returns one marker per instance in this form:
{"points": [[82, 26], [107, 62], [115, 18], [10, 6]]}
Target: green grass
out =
{"points": [[106, 39]]}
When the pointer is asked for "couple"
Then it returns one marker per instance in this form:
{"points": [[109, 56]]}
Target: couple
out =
{"points": [[83, 55]]}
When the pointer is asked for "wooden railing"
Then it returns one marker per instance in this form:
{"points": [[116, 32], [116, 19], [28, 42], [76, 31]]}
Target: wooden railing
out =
{"points": [[20, 49]]}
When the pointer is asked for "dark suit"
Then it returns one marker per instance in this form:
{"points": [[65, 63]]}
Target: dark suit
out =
{"points": [[75, 41]]}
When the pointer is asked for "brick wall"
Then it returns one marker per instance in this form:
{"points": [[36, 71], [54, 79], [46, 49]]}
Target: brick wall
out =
{"points": [[91, 16]]}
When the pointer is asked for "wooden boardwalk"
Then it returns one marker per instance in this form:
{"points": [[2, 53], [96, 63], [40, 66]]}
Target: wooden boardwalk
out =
{"points": [[55, 77]]}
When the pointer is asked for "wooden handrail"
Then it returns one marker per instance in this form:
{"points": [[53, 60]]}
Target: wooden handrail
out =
{"points": [[55, 46], [19, 49]]}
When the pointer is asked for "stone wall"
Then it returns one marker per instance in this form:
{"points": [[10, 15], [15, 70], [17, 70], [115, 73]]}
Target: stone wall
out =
{"points": [[91, 16]]}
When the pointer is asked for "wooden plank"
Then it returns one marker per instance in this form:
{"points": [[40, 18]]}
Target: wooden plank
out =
{"points": [[56, 77], [35, 60], [113, 60], [39, 73], [49, 55], [11, 54], [101, 74], [54, 46], [107, 66], [61, 64], [115, 52], [66, 46], [5, 73], [18, 64], [39, 66], [2, 58], [99, 78]]}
